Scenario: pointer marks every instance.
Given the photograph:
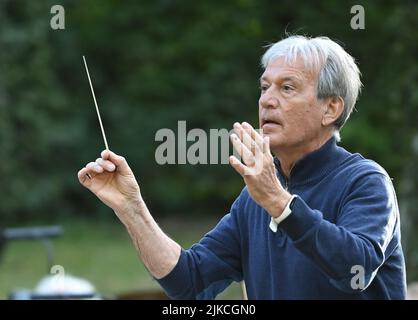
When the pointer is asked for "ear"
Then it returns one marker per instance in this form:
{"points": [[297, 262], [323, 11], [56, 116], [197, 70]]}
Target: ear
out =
{"points": [[333, 109]]}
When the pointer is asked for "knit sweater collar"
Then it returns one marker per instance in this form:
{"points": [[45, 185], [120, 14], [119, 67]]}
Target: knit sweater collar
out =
{"points": [[314, 165]]}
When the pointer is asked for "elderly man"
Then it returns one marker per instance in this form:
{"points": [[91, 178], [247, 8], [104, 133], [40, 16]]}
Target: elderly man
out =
{"points": [[314, 222]]}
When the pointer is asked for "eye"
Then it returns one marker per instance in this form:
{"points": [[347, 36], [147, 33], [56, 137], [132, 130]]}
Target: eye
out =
{"points": [[287, 88], [263, 87]]}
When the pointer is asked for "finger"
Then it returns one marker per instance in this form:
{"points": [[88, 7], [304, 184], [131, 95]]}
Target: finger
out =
{"points": [[266, 145], [93, 167], [106, 164], [117, 160], [238, 130], [242, 150], [247, 139], [237, 165], [250, 143], [82, 175], [254, 134]]}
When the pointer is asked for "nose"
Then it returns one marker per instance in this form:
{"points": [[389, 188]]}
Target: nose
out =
{"points": [[267, 100]]}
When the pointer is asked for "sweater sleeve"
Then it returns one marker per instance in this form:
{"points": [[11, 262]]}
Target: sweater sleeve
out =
{"points": [[209, 266], [360, 239]]}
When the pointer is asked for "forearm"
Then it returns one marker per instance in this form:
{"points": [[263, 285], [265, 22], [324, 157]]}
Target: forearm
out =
{"points": [[158, 252], [335, 249]]}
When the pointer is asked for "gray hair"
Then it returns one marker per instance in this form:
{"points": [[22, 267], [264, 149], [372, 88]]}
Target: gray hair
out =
{"points": [[339, 75]]}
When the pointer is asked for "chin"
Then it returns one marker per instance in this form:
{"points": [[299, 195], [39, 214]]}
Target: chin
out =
{"points": [[275, 141]]}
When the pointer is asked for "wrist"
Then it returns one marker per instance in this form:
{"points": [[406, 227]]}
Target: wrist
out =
{"points": [[275, 221], [278, 203], [131, 209]]}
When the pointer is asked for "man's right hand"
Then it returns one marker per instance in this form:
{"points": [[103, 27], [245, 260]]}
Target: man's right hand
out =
{"points": [[111, 179], [113, 182]]}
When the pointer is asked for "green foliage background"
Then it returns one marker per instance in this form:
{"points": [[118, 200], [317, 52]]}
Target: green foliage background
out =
{"points": [[154, 63]]}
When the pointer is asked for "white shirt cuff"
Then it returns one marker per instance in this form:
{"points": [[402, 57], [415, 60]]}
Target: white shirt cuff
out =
{"points": [[274, 222]]}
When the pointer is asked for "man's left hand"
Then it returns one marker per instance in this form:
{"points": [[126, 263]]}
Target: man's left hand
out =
{"points": [[257, 169]]}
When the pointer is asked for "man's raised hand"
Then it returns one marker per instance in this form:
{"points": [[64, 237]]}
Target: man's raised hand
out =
{"points": [[111, 179], [257, 169]]}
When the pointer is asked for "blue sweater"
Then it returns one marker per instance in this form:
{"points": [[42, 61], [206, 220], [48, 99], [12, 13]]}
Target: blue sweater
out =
{"points": [[344, 224]]}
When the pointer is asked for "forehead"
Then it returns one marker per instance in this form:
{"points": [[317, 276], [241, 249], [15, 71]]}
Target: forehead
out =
{"points": [[279, 68]]}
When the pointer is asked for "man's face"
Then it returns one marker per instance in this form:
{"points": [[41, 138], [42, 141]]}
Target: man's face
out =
{"points": [[289, 111]]}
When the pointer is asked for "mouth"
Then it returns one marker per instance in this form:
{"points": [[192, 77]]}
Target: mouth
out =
{"points": [[269, 122]]}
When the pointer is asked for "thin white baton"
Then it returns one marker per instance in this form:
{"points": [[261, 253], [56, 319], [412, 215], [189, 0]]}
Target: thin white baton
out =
{"points": [[95, 103]]}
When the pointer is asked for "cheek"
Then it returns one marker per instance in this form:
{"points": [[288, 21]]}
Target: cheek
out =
{"points": [[259, 106], [297, 117], [302, 120]]}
